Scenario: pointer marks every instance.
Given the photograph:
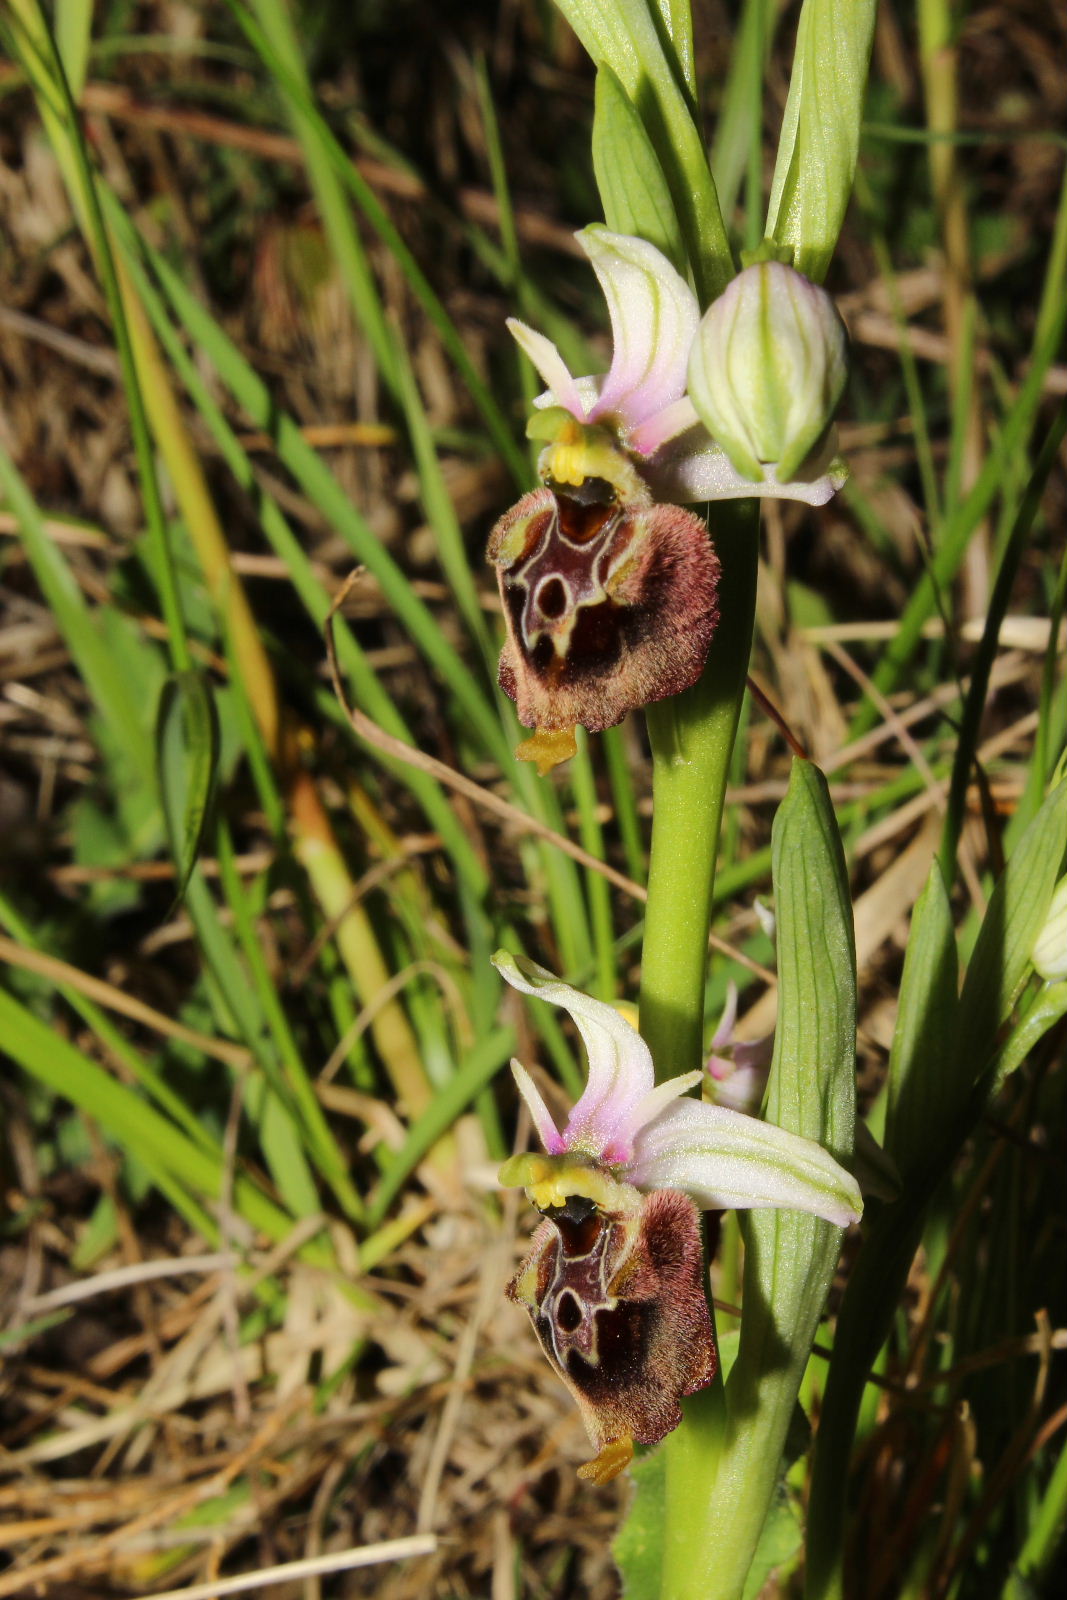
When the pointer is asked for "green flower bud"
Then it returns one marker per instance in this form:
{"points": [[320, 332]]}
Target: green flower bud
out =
{"points": [[767, 369], [1049, 954]]}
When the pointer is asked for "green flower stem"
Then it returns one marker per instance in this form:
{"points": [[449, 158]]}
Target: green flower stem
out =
{"points": [[692, 740]]}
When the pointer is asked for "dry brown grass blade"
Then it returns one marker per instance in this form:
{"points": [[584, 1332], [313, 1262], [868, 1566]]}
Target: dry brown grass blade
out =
{"points": [[419, 1544], [92, 1557]]}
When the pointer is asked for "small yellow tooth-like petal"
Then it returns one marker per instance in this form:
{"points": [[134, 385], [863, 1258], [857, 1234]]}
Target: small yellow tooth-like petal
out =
{"points": [[614, 1457], [547, 748]]}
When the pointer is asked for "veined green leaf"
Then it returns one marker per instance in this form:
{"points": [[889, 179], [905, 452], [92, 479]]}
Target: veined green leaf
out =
{"points": [[633, 190], [187, 748], [789, 1257], [677, 18], [820, 136], [638, 1548], [1000, 963]]}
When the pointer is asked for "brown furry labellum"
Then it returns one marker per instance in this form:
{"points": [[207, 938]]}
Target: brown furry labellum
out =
{"points": [[609, 603], [616, 1299]]}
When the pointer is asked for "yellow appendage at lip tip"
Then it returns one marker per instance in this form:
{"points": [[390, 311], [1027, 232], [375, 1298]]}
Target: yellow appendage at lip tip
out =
{"points": [[548, 747], [614, 1457]]}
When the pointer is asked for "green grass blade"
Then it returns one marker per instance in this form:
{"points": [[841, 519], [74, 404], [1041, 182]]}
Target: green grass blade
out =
{"points": [[311, 118], [112, 694], [738, 126], [959, 1095], [140, 1071], [126, 1118], [960, 525], [921, 1089], [302, 1106], [987, 649], [45, 65], [187, 748], [480, 1067]]}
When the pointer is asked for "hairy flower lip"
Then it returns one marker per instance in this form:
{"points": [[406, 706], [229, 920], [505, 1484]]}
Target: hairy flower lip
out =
{"points": [[609, 600], [648, 1137]]}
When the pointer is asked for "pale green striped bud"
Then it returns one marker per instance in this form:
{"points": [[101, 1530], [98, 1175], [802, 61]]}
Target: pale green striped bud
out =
{"points": [[767, 370]]}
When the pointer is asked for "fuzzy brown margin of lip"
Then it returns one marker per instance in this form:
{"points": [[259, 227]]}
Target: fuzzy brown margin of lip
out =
{"points": [[618, 1305]]}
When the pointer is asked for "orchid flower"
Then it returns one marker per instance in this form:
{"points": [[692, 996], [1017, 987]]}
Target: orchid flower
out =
{"points": [[642, 400], [614, 1284], [608, 587]]}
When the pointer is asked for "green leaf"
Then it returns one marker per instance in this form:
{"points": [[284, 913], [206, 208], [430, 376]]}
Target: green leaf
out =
{"points": [[811, 1090], [789, 1257], [187, 747], [779, 1542], [677, 18], [1015, 916], [817, 150], [1049, 1005], [952, 1100], [73, 30], [179, 1167], [638, 1548], [633, 190], [920, 1062], [623, 34]]}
